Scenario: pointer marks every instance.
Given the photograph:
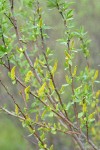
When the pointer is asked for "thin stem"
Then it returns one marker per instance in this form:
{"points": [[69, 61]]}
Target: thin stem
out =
{"points": [[68, 45], [59, 130], [79, 142], [60, 115], [38, 137], [13, 21], [4, 43], [51, 76], [6, 89], [11, 113]]}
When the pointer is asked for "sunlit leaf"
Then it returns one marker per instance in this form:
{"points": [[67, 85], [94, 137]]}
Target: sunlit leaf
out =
{"points": [[13, 73]]}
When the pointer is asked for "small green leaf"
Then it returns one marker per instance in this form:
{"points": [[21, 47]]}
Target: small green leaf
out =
{"points": [[80, 114], [3, 51], [51, 147], [51, 114], [53, 131]]}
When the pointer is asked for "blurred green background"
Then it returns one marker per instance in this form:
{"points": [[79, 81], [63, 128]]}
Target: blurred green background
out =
{"points": [[87, 14]]}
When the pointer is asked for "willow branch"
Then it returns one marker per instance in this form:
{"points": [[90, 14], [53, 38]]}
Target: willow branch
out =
{"points": [[51, 76], [11, 113], [6, 89], [13, 21]]}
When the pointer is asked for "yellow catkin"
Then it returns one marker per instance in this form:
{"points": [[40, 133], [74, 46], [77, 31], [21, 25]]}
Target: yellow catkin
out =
{"points": [[13, 73], [41, 90], [27, 90], [16, 109], [28, 76]]}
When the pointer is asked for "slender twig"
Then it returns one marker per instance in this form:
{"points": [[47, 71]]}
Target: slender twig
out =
{"points": [[60, 115], [51, 76], [11, 113], [6, 89], [13, 21], [75, 107], [90, 142], [23, 96], [79, 142], [38, 137], [88, 65], [4, 43], [59, 130], [70, 68]]}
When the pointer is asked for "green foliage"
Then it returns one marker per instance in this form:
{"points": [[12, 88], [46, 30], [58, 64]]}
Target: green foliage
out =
{"points": [[45, 111]]}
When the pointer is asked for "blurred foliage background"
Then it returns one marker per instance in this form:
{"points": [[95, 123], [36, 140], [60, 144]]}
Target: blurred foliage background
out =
{"points": [[87, 14]]}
